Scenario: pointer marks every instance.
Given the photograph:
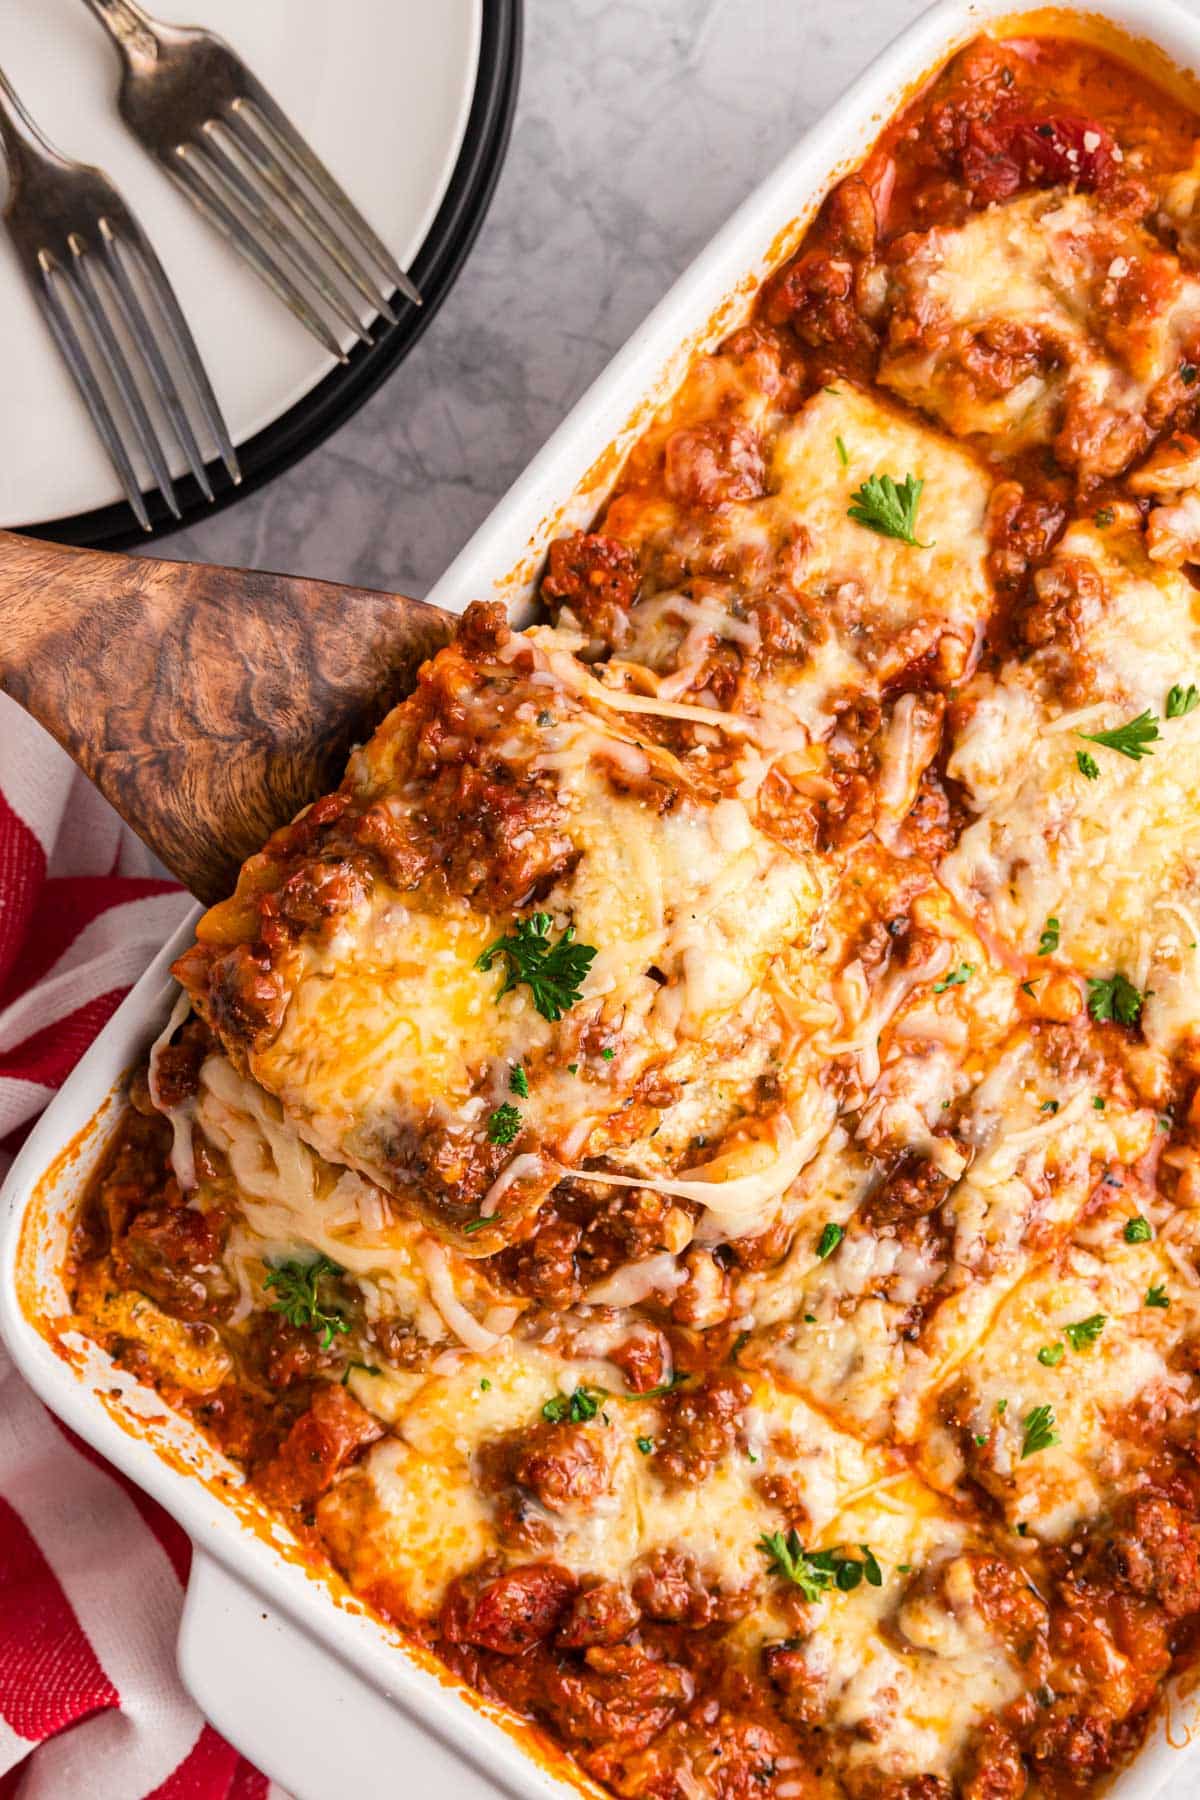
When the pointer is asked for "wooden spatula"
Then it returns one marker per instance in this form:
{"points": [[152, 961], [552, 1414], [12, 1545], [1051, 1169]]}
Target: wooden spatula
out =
{"points": [[208, 705]]}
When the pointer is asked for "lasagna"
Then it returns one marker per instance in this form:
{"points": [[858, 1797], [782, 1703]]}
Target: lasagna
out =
{"points": [[676, 1181]]}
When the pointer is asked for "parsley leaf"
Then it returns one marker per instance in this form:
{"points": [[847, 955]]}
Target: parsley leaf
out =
{"points": [[518, 1082], [645, 1445], [1048, 942], [504, 1124], [1131, 739], [1085, 1331], [963, 973], [1138, 1231], [573, 1409], [1114, 998], [890, 509], [1182, 700], [1050, 1106], [814, 1572], [551, 972], [1039, 1431], [298, 1297], [654, 1393], [831, 1236], [1087, 765], [1157, 1296], [1050, 1355], [843, 455]]}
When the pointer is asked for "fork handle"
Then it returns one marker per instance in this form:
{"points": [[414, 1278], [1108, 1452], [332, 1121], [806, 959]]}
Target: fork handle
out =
{"points": [[130, 28], [20, 137]]}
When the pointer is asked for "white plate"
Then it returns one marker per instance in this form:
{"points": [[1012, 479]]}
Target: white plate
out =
{"points": [[382, 90]]}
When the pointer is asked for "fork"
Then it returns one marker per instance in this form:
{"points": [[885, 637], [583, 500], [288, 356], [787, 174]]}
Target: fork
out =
{"points": [[197, 108], [99, 284]]}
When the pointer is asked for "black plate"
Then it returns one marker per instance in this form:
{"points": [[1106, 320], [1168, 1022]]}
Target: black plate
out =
{"points": [[344, 389]]}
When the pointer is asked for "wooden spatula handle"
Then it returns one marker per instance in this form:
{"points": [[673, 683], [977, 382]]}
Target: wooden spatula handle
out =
{"points": [[207, 704]]}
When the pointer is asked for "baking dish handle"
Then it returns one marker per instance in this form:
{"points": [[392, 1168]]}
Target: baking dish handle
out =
{"points": [[309, 1722]]}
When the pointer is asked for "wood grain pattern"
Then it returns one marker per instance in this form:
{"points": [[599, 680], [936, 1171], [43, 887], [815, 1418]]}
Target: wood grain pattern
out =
{"points": [[207, 704]]}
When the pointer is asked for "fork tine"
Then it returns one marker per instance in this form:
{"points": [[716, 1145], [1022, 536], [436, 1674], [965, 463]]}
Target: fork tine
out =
{"points": [[143, 334], [77, 360], [223, 219], [257, 150], [278, 125], [224, 169], [88, 292], [136, 245]]}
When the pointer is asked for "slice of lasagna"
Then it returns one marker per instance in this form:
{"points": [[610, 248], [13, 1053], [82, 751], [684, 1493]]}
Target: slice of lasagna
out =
{"points": [[505, 944], [1048, 319], [1081, 764]]}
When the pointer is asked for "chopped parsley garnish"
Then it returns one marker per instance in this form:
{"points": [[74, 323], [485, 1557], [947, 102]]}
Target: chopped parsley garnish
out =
{"points": [[477, 1224], [298, 1297], [814, 1572], [645, 1445], [843, 455], [608, 1055], [484, 1384], [1039, 1429], [1087, 765], [1085, 1331], [367, 1369], [831, 1236], [1028, 986], [1097, 1103], [738, 1345], [1182, 700], [1002, 1407], [1048, 942], [1157, 1296], [654, 1393], [504, 1124], [1114, 998], [1138, 1230], [1050, 1355], [963, 973], [1131, 739], [1050, 1106], [551, 972], [518, 1082], [1104, 516], [889, 508], [573, 1409]]}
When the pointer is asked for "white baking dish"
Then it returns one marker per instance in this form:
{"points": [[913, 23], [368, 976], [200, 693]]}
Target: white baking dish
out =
{"points": [[288, 1667]]}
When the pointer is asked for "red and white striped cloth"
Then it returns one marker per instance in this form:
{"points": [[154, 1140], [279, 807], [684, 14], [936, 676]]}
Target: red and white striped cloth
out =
{"points": [[92, 1572]]}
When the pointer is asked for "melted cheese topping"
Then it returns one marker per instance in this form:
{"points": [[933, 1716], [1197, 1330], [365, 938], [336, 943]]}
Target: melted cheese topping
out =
{"points": [[877, 603], [392, 1029], [1044, 280]]}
